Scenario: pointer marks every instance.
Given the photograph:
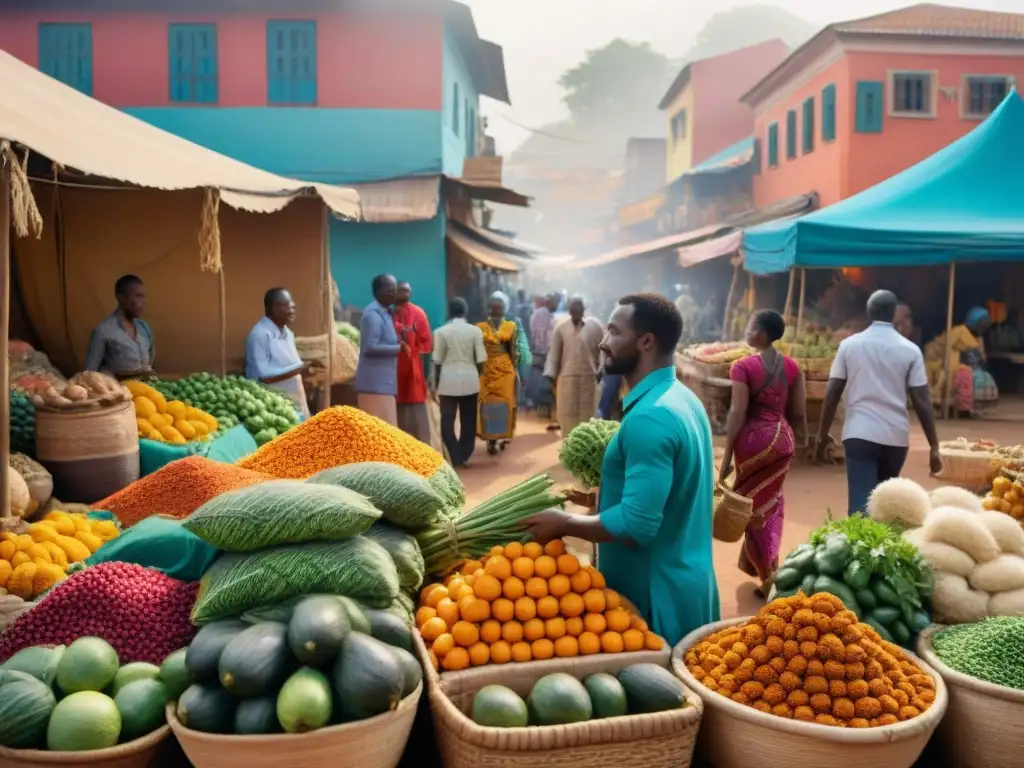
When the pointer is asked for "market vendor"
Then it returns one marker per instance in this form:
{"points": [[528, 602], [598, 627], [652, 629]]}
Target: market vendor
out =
{"points": [[654, 516], [270, 353], [122, 345], [971, 387]]}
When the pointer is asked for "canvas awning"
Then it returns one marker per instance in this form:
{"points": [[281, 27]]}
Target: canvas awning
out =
{"points": [[414, 199], [715, 248], [478, 252], [484, 190], [502, 241]]}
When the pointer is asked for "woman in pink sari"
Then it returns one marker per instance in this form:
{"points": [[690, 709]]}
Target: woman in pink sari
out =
{"points": [[767, 420]]}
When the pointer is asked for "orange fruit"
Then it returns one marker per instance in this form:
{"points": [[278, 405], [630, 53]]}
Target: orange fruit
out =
{"points": [[443, 645], [611, 600], [436, 595], [501, 652], [526, 609], [433, 660], [567, 564], [589, 643], [522, 567], [503, 609], [475, 610], [433, 628], [513, 550], [547, 607], [545, 566], [448, 610], [536, 587], [465, 634], [543, 648], [554, 548], [521, 652], [572, 605], [594, 600], [618, 620], [454, 583], [457, 658], [566, 647], [487, 587], [426, 591], [533, 630], [652, 642], [424, 614], [479, 654], [596, 577], [559, 585], [533, 550], [633, 640], [580, 582], [497, 549], [470, 566], [635, 622], [594, 622], [513, 588], [461, 590], [611, 642], [554, 628], [574, 626], [490, 632], [498, 566], [511, 631]]}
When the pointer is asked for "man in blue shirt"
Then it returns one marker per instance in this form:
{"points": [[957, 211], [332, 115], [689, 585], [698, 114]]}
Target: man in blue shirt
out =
{"points": [[655, 506], [270, 353], [379, 347], [122, 345]]}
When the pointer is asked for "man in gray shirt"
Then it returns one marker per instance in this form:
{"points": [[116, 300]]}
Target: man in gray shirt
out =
{"points": [[379, 347], [122, 345]]}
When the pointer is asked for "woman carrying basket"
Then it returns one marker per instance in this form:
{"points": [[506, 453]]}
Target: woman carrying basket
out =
{"points": [[767, 420]]}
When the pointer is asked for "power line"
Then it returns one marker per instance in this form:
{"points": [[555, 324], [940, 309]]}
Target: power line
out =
{"points": [[541, 132]]}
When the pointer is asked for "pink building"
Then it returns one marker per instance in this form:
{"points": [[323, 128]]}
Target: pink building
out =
{"points": [[866, 99]]}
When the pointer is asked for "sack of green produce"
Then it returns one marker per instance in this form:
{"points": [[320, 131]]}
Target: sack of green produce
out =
{"points": [[404, 498], [238, 582], [281, 512], [403, 550]]}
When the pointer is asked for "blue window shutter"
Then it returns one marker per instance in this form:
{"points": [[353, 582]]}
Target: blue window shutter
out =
{"points": [[291, 62], [65, 54], [755, 159], [192, 63], [870, 103], [455, 108], [828, 113], [773, 145], [808, 107], [791, 134], [206, 64]]}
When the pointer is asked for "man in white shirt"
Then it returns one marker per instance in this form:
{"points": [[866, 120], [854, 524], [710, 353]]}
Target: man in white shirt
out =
{"points": [[459, 357], [877, 368]]}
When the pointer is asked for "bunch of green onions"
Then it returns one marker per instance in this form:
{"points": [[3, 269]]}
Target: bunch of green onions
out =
{"points": [[495, 522]]}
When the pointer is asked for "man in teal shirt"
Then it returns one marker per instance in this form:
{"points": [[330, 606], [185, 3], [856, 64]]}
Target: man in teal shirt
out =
{"points": [[653, 524]]}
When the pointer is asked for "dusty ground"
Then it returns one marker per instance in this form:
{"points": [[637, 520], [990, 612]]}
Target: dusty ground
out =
{"points": [[811, 491]]}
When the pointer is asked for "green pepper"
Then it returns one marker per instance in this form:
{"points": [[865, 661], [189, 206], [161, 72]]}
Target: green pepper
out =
{"points": [[807, 585], [900, 633], [856, 575], [787, 578], [830, 562], [885, 593], [800, 560], [885, 614], [867, 599]]}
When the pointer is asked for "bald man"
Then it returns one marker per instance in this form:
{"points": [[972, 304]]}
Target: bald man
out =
{"points": [[573, 364]]}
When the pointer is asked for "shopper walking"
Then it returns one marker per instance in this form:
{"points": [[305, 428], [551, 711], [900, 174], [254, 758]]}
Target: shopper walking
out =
{"points": [[459, 357], [573, 365], [413, 328]]}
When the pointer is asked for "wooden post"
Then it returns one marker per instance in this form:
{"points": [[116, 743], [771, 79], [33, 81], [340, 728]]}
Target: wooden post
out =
{"points": [[946, 372], [222, 299], [5, 315], [325, 253], [728, 300], [789, 295], [750, 292], [800, 308]]}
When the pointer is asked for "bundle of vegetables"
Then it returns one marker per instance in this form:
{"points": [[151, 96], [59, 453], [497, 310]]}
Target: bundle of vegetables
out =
{"points": [[32, 371], [807, 658], [561, 699], [349, 331], [879, 576], [991, 650], [493, 523], [523, 603], [330, 663], [582, 451], [102, 702], [23, 424], [169, 422], [234, 400], [142, 613]]}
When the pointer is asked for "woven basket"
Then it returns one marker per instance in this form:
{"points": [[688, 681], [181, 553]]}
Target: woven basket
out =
{"points": [[374, 743], [346, 355], [660, 740], [737, 736], [732, 514], [982, 729], [134, 754], [968, 469]]}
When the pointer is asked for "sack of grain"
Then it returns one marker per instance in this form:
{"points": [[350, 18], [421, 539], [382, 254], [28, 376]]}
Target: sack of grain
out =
{"points": [[1007, 603], [941, 557], [954, 602], [281, 512], [404, 498], [403, 550], [1004, 574], [239, 582], [963, 530], [1007, 532]]}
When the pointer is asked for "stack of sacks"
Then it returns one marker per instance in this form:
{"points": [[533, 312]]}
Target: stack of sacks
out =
{"points": [[977, 554]]}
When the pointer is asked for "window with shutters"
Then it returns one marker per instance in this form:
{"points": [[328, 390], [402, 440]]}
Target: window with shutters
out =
{"points": [[869, 107], [808, 109], [192, 63], [291, 62], [679, 126], [828, 113], [791, 134], [773, 145], [983, 93], [65, 54], [456, 108], [912, 94]]}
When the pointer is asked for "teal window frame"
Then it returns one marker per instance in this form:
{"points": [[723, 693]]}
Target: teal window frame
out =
{"points": [[773, 145], [807, 145], [192, 63], [869, 107], [291, 63], [66, 54], [456, 109], [791, 134], [828, 112]]}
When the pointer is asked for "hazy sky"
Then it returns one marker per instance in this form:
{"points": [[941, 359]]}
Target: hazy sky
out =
{"points": [[543, 38]]}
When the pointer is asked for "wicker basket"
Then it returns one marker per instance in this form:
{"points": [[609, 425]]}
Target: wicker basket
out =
{"points": [[346, 355], [661, 740], [983, 726], [968, 469], [134, 754], [375, 743], [732, 514], [737, 736]]}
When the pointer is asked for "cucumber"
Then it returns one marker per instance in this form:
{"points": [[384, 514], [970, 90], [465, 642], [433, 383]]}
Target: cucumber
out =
{"points": [[900, 633], [856, 575], [807, 585], [830, 562], [800, 560], [867, 599], [787, 578], [919, 621], [882, 631], [885, 614], [885, 593], [837, 588]]}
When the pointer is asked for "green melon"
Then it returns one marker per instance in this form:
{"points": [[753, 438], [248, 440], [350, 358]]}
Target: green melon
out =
{"points": [[82, 722], [257, 716], [203, 655], [317, 629], [40, 662], [174, 674], [129, 673], [559, 699], [496, 706], [88, 664], [208, 708], [412, 669], [25, 707], [141, 704], [305, 702], [390, 629], [257, 660], [368, 677], [650, 688], [607, 695]]}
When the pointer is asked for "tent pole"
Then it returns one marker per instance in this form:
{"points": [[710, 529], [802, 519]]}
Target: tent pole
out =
{"points": [[5, 314], [728, 300], [222, 300], [325, 249], [946, 372], [800, 308], [789, 295], [751, 288]]}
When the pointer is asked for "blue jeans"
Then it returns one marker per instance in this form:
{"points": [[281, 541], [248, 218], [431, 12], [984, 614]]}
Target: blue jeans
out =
{"points": [[867, 465]]}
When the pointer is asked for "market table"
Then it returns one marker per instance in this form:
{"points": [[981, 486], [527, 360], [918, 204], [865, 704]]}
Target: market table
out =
{"points": [[228, 448]]}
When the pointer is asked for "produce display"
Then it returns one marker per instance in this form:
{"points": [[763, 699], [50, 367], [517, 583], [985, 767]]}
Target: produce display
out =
{"points": [[1006, 496], [23, 424], [718, 353], [582, 450], [404, 498], [561, 699], [324, 666], [169, 422], [878, 575], [525, 602], [31, 371], [349, 331], [233, 400], [991, 650], [808, 659], [37, 479], [84, 391], [80, 698]]}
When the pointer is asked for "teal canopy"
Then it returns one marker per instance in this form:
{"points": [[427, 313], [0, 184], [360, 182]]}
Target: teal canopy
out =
{"points": [[964, 203]]}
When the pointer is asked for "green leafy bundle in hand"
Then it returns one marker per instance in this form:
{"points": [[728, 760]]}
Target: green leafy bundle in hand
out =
{"points": [[582, 451]]}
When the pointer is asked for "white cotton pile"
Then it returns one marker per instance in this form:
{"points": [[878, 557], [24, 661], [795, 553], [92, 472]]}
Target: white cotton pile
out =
{"points": [[899, 500], [1007, 532], [952, 496], [954, 602], [1007, 604], [941, 557], [1004, 574], [963, 530]]}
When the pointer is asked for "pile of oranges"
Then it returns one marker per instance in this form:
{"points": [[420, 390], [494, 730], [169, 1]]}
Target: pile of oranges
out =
{"points": [[526, 602]]}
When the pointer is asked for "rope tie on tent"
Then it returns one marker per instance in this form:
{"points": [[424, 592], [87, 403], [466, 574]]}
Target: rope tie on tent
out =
{"points": [[25, 214], [209, 232]]}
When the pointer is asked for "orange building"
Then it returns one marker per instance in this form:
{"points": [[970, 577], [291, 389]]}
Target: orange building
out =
{"points": [[866, 99]]}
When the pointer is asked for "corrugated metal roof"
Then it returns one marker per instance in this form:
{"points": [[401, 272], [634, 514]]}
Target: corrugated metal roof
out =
{"points": [[939, 20]]}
